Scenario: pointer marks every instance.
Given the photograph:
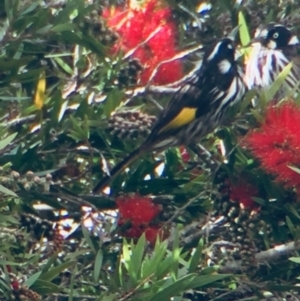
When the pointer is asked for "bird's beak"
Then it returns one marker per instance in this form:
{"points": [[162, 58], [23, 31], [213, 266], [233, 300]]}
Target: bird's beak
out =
{"points": [[232, 35], [293, 41]]}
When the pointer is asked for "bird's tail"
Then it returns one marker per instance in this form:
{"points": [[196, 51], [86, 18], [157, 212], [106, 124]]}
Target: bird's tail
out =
{"points": [[118, 169]]}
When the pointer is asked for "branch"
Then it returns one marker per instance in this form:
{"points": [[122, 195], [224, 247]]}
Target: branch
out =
{"points": [[264, 257]]}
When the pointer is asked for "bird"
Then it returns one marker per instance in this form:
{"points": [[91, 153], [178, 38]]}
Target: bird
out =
{"points": [[197, 108], [273, 48]]}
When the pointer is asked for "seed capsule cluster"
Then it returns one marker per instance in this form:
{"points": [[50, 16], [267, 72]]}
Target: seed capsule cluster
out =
{"points": [[130, 124], [129, 73]]}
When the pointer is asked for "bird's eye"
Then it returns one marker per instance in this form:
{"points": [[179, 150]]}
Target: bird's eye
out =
{"points": [[275, 35], [229, 46]]}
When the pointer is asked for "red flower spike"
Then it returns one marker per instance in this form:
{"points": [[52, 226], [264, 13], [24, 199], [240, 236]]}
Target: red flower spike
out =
{"points": [[276, 144], [152, 22], [151, 234], [15, 285], [184, 154], [242, 192], [138, 211]]}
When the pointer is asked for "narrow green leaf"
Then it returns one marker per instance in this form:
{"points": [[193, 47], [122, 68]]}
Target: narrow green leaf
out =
{"points": [[32, 279], [188, 282], [195, 259], [291, 226], [29, 9], [112, 297], [51, 274], [7, 191], [137, 254], [295, 259], [64, 27], [45, 287], [98, 265], [174, 289], [243, 30], [150, 265], [87, 238], [278, 82], [7, 140], [112, 101], [49, 263], [127, 260], [44, 30]]}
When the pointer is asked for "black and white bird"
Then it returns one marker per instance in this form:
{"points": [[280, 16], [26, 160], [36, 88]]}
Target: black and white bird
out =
{"points": [[273, 48], [197, 108]]}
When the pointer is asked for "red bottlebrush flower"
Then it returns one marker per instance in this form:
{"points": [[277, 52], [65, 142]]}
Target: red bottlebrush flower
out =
{"points": [[242, 192], [138, 211], [151, 234], [184, 154], [151, 31], [277, 143], [15, 285]]}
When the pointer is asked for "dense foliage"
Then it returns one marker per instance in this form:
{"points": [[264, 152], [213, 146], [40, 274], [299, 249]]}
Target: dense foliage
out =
{"points": [[81, 84]]}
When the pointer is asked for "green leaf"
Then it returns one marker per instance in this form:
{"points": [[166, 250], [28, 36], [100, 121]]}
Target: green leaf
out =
{"points": [[195, 259], [7, 140], [151, 264], [29, 9], [295, 259], [7, 191], [51, 274], [127, 260], [98, 265], [291, 226], [64, 27], [187, 282], [112, 101], [111, 297], [45, 287], [87, 238], [276, 85], [137, 255], [244, 32], [32, 279]]}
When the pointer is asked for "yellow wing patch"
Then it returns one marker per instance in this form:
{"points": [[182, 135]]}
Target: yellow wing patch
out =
{"points": [[185, 116], [39, 95]]}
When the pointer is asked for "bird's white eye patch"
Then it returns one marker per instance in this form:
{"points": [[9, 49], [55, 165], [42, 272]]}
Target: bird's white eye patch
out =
{"points": [[224, 66], [275, 35], [229, 46]]}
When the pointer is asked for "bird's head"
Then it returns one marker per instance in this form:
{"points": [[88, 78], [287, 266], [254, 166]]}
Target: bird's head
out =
{"points": [[223, 54], [274, 36]]}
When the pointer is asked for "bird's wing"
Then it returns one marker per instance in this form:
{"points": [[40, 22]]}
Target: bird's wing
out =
{"points": [[189, 103]]}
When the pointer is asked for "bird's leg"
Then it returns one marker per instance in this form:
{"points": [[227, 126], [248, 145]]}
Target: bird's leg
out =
{"points": [[205, 156]]}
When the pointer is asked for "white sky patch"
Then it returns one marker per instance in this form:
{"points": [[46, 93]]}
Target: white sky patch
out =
{"points": [[293, 41], [261, 33]]}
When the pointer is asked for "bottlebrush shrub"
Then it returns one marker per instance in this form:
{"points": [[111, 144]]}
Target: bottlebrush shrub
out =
{"points": [[276, 143], [242, 192], [138, 212], [135, 26]]}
